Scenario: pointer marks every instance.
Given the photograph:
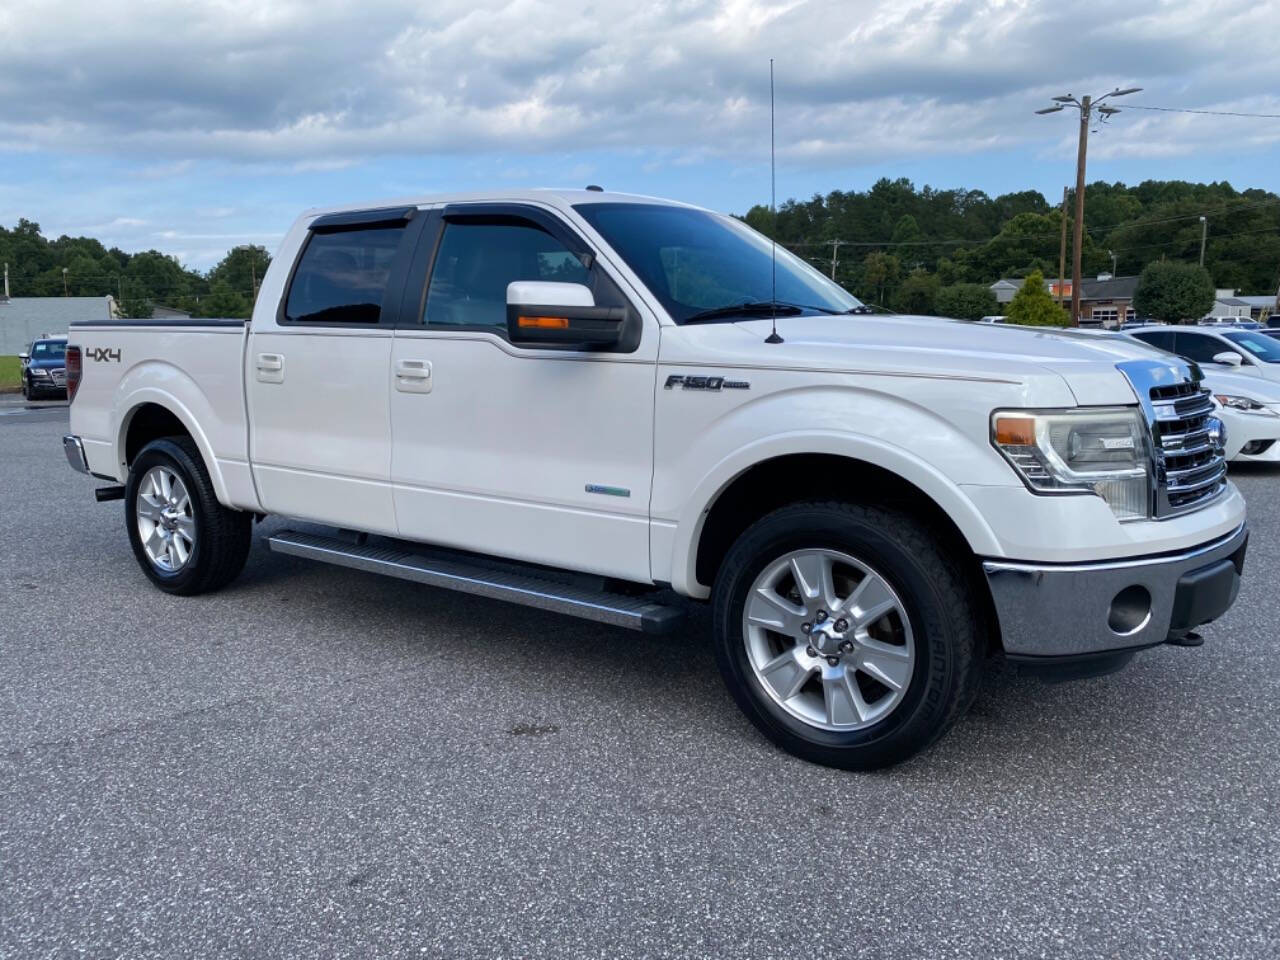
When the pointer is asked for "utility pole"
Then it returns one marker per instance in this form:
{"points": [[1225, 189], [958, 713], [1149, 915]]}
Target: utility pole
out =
{"points": [[6, 281], [1085, 105], [1062, 254], [1204, 235], [835, 250], [253, 278], [64, 281], [1114, 258]]}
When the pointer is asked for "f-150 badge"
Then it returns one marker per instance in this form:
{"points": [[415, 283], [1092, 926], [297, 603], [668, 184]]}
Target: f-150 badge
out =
{"points": [[704, 383]]}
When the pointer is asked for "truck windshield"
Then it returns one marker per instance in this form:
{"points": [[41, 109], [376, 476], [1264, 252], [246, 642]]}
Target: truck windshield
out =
{"points": [[695, 261]]}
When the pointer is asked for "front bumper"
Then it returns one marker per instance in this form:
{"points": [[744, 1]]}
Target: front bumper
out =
{"points": [[1080, 609]]}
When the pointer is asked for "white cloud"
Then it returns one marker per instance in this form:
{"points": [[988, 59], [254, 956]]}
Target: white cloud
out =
{"points": [[320, 84]]}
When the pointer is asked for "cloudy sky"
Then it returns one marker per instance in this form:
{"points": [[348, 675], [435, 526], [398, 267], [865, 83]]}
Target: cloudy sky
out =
{"points": [[194, 126]]}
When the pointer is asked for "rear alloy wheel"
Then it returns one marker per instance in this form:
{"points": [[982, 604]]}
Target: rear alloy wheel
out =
{"points": [[848, 633], [166, 526], [185, 540]]}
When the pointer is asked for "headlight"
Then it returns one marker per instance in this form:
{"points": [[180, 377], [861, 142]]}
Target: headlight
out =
{"points": [[1103, 452], [1245, 404], [39, 372]]}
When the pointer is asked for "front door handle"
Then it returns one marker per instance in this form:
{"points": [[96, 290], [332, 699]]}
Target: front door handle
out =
{"points": [[413, 376], [270, 368]]}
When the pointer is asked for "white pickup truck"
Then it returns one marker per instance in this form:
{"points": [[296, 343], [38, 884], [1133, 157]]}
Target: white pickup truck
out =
{"points": [[577, 400]]}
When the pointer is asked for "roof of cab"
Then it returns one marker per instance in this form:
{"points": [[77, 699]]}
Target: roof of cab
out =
{"points": [[558, 197]]}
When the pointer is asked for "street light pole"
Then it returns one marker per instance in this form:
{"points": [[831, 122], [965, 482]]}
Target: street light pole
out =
{"points": [[1077, 239], [1204, 234], [1085, 106], [64, 281]]}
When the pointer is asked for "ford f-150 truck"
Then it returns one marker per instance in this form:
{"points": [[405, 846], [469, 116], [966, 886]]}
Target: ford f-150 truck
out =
{"points": [[600, 404]]}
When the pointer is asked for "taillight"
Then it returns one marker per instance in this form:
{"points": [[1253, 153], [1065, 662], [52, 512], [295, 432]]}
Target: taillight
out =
{"points": [[74, 368]]}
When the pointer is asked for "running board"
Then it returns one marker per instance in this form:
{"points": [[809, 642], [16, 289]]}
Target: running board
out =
{"points": [[615, 609]]}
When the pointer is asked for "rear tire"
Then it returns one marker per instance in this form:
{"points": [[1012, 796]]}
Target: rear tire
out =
{"points": [[193, 543], [814, 665]]}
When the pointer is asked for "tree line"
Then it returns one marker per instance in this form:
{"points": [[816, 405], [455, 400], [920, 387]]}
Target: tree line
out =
{"points": [[936, 251], [83, 267], [916, 250]]}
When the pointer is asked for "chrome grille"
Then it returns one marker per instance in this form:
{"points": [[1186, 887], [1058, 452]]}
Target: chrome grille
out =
{"points": [[1190, 469]]}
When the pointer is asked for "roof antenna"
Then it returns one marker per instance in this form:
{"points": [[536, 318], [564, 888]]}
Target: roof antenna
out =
{"points": [[773, 210]]}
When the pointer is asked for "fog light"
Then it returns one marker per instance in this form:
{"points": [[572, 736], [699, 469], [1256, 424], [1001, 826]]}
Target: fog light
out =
{"points": [[1130, 610]]}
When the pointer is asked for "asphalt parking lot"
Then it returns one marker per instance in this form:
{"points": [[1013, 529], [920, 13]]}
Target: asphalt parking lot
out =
{"points": [[316, 762]]}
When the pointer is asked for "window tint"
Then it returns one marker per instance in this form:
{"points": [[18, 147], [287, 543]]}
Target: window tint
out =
{"points": [[476, 261], [49, 350], [1157, 338], [342, 276], [1200, 347]]}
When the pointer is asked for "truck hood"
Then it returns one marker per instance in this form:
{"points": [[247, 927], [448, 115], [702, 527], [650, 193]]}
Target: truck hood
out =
{"points": [[934, 346]]}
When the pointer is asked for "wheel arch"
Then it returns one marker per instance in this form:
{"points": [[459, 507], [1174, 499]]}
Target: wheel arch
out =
{"points": [[152, 414], [764, 476]]}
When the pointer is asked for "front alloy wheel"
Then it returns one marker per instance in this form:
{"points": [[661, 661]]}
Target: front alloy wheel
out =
{"points": [[828, 639], [849, 634]]}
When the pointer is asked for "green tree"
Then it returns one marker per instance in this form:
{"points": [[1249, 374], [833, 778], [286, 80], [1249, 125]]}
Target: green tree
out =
{"points": [[223, 301], [1033, 306], [966, 301], [242, 270], [879, 273], [1172, 292], [917, 293]]}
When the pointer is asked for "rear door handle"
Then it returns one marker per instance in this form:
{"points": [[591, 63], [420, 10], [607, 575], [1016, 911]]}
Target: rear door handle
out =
{"points": [[270, 368], [413, 376]]}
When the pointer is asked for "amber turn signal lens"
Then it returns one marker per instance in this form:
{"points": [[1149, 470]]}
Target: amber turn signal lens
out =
{"points": [[545, 323], [1015, 432]]}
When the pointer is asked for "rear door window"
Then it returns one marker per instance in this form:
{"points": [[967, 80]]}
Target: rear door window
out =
{"points": [[342, 276], [1157, 338]]}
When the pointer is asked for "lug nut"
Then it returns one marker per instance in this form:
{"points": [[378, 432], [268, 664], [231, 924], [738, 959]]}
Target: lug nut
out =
{"points": [[846, 647], [810, 651], [821, 617], [806, 628], [834, 661], [842, 625]]}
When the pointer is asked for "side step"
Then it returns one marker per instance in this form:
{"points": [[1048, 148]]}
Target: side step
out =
{"points": [[615, 609]]}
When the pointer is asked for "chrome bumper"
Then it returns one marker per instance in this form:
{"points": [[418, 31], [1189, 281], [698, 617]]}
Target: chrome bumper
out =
{"points": [[1073, 610], [74, 450]]}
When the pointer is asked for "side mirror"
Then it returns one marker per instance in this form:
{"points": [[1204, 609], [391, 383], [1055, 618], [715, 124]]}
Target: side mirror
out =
{"points": [[542, 314], [1228, 357], [24, 357]]}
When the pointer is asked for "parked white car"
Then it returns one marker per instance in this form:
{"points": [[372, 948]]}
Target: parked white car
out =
{"points": [[579, 401], [1247, 352], [1249, 407]]}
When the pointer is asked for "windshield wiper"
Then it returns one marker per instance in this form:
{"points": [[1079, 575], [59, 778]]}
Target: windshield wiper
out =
{"points": [[748, 308]]}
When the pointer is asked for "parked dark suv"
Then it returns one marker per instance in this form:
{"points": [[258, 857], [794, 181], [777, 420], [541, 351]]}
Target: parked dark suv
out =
{"points": [[44, 368]]}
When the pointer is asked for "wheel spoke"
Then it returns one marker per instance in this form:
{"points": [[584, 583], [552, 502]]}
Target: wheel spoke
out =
{"points": [[180, 550], [889, 664], [839, 697], [870, 601], [163, 483], [785, 675], [770, 610], [187, 528], [148, 510], [807, 570]]}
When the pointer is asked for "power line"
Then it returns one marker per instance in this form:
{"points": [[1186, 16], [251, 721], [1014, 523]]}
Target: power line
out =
{"points": [[1212, 113]]}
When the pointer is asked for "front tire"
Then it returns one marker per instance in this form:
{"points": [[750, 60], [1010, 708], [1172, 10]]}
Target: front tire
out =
{"points": [[847, 633], [185, 540]]}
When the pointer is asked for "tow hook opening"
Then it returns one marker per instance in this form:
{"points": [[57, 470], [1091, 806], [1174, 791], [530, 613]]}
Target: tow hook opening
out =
{"points": [[1130, 610]]}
